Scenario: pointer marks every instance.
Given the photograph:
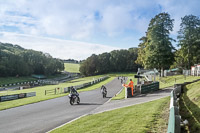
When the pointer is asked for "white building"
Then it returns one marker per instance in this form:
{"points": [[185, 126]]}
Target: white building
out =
{"points": [[195, 70]]}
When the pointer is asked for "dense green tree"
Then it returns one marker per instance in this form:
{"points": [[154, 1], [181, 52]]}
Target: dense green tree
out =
{"points": [[104, 63], [189, 40], [115, 61], [131, 59], [156, 49], [15, 60], [141, 51]]}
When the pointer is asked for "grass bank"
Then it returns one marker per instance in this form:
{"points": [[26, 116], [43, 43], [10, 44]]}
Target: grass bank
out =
{"points": [[176, 79], [134, 119], [190, 107], [40, 92], [72, 67]]}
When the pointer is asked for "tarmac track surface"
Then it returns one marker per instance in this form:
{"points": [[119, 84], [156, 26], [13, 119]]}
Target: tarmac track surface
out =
{"points": [[44, 116]]}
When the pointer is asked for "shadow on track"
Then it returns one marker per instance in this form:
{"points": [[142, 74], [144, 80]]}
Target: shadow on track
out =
{"points": [[88, 104]]}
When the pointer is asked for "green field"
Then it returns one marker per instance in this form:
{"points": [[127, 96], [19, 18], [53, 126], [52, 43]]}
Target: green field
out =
{"points": [[72, 67], [140, 118], [190, 107], [40, 91]]}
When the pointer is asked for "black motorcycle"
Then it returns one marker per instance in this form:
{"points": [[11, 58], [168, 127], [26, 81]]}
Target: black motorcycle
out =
{"points": [[74, 99], [104, 93]]}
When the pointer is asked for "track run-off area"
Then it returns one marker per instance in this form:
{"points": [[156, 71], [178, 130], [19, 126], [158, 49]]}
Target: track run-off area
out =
{"points": [[46, 115]]}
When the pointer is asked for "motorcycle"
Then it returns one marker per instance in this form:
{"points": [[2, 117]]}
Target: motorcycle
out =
{"points": [[104, 93], [74, 99]]}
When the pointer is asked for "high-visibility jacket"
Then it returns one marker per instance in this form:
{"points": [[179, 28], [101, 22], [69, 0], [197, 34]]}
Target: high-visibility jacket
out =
{"points": [[131, 84]]}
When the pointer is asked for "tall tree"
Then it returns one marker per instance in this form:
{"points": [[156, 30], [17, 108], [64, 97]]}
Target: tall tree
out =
{"points": [[156, 49], [189, 40], [141, 51]]}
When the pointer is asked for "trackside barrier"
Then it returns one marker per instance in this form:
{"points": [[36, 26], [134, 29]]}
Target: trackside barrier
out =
{"points": [[16, 96], [174, 121], [20, 83], [44, 82], [149, 87], [77, 87], [174, 117]]}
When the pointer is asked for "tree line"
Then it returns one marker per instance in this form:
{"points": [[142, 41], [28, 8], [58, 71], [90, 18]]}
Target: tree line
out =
{"points": [[115, 61], [155, 49], [17, 61]]}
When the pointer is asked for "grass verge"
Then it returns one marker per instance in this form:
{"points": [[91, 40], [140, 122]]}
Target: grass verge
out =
{"points": [[137, 119], [160, 122], [40, 92], [190, 107]]}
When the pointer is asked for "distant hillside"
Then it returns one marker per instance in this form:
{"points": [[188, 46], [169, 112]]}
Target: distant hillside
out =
{"points": [[17, 61], [72, 67]]}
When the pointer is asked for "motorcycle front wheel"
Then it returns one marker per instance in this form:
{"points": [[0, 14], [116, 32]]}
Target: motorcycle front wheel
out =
{"points": [[78, 100]]}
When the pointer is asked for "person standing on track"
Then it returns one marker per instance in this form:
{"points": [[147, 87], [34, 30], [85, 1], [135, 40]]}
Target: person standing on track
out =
{"points": [[130, 85]]}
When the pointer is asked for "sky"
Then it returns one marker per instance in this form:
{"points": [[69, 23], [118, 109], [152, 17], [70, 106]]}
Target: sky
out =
{"points": [[76, 29]]}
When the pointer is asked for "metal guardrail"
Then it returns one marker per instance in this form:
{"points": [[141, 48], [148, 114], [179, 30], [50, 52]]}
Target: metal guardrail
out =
{"points": [[16, 96], [174, 121], [174, 117]]}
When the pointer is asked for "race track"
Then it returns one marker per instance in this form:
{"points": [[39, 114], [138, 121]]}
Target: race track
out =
{"points": [[44, 116]]}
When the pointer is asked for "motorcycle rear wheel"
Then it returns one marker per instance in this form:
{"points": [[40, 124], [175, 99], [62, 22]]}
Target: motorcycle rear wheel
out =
{"points": [[71, 101]]}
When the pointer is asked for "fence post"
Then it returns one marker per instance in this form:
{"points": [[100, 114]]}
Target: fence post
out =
{"points": [[125, 93], [55, 90], [45, 92]]}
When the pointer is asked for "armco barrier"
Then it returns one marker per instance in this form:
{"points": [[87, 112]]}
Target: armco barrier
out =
{"points": [[8, 97], [31, 94], [174, 121], [16, 96], [174, 117]]}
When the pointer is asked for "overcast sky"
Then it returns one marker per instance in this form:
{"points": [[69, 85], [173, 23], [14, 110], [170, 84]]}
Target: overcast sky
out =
{"points": [[78, 28]]}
